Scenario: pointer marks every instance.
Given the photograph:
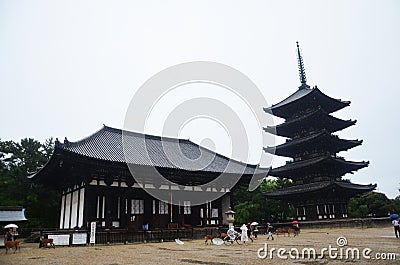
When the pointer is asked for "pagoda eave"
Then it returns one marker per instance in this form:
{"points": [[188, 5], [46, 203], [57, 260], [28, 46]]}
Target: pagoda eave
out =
{"points": [[318, 119], [291, 169], [331, 142], [270, 129], [320, 187], [305, 97]]}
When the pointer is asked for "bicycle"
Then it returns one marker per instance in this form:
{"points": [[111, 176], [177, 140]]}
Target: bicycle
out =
{"points": [[231, 240]]}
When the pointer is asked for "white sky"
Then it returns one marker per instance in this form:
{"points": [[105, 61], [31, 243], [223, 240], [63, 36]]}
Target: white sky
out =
{"points": [[67, 67]]}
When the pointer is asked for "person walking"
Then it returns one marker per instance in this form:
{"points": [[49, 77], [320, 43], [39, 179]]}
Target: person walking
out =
{"points": [[244, 237], [396, 225], [269, 231], [254, 231], [295, 225], [9, 236]]}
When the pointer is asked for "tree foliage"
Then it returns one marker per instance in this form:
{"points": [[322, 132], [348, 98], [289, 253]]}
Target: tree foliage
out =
{"points": [[373, 204], [253, 206], [17, 161]]}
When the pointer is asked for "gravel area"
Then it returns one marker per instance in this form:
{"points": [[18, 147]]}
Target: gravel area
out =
{"points": [[379, 240]]}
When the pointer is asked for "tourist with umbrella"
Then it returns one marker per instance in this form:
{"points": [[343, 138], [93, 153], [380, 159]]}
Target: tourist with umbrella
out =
{"points": [[254, 230], [9, 236], [296, 227], [396, 224]]}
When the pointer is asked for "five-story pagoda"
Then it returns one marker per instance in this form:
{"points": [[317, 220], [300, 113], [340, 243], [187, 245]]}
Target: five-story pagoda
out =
{"points": [[318, 190]]}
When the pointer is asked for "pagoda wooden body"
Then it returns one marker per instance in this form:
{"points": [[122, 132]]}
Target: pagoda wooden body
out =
{"points": [[318, 190]]}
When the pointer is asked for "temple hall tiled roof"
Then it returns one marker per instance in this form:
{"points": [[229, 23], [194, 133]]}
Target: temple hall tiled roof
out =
{"points": [[148, 150]]}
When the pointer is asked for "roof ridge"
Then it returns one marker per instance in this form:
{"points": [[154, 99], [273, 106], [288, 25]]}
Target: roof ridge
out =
{"points": [[309, 90], [119, 131], [142, 134], [83, 140]]}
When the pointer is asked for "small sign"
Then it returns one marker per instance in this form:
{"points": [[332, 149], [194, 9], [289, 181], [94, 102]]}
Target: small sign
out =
{"points": [[79, 239], [60, 240], [92, 233]]}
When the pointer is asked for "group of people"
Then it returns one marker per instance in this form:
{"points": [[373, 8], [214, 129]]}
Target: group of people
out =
{"points": [[247, 232], [250, 231]]}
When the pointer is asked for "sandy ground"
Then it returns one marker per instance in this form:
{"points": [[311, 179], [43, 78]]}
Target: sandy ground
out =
{"points": [[379, 240]]}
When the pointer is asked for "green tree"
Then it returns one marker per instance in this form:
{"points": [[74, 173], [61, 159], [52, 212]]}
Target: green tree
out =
{"points": [[253, 206], [395, 205], [377, 203], [17, 161], [363, 210]]}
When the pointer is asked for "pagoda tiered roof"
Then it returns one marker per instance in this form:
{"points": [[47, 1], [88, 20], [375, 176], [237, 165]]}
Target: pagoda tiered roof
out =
{"points": [[331, 143], [322, 187], [316, 170], [303, 98], [316, 120], [328, 164]]}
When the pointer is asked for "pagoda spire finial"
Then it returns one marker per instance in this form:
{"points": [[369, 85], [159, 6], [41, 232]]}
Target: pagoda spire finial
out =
{"points": [[302, 72]]}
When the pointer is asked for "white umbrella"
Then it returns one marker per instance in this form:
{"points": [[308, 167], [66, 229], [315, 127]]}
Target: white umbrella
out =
{"points": [[217, 241], [11, 226], [254, 223], [179, 242]]}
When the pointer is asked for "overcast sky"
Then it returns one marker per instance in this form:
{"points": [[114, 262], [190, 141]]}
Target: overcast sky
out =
{"points": [[68, 67]]}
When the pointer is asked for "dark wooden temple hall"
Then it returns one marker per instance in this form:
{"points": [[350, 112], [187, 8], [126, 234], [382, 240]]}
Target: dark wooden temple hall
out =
{"points": [[96, 185], [317, 191]]}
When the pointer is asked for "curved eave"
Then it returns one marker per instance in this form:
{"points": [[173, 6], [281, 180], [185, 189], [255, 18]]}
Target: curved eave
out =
{"points": [[320, 187], [332, 143], [287, 148], [46, 174], [344, 145], [270, 129], [38, 175], [285, 170], [335, 104], [296, 101], [325, 161], [317, 118]]}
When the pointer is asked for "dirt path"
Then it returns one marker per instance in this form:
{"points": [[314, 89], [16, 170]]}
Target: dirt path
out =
{"points": [[379, 240]]}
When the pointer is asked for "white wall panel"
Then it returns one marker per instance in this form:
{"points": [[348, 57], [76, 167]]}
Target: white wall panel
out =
{"points": [[74, 210], [81, 207], [62, 212], [67, 210]]}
